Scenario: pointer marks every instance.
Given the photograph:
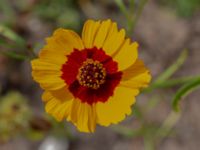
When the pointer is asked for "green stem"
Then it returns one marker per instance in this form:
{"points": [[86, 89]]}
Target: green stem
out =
{"points": [[127, 132], [132, 6], [31, 52], [170, 83], [173, 68], [129, 14], [138, 14], [148, 143], [122, 8], [187, 88], [167, 125]]}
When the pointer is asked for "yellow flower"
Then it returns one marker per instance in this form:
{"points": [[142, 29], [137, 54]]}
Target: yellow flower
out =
{"points": [[90, 80]]}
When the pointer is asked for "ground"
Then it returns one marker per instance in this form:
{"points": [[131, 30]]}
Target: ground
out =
{"points": [[162, 36]]}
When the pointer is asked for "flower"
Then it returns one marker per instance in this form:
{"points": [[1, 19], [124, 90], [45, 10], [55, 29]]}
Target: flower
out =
{"points": [[90, 80]]}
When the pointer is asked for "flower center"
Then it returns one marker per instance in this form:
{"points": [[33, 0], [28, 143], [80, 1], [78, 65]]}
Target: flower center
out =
{"points": [[91, 74]]}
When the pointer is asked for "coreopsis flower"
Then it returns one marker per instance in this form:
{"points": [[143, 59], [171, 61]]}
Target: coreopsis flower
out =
{"points": [[92, 79]]}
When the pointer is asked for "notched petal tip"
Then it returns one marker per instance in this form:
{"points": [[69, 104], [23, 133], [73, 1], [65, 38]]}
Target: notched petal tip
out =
{"points": [[109, 112], [83, 116]]}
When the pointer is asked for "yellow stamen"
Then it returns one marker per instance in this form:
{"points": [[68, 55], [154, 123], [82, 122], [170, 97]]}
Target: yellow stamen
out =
{"points": [[91, 74]]}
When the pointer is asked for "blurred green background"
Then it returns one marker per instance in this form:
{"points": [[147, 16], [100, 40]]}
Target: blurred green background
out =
{"points": [[168, 32]]}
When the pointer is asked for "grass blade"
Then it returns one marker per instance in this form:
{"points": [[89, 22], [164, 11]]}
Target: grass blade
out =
{"points": [[14, 55], [8, 33]]}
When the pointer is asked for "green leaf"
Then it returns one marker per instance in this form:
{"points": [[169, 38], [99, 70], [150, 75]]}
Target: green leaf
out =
{"points": [[184, 91], [6, 44], [173, 68], [14, 55], [8, 33]]}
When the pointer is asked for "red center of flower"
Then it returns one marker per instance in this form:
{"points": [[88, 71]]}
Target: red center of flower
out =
{"points": [[91, 75]]}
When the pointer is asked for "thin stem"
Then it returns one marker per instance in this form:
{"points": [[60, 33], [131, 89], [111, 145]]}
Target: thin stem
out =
{"points": [[126, 13], [31, 51], [138, 14], [169, 83], [190, 86], [122, 8], [148, 143], [126, 131], [168, 124], [173, 68]]}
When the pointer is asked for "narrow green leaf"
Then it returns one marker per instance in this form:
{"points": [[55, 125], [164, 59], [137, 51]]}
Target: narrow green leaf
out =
{"points": [[8, 33], [6, 44], [184, 91], [173, 68], [14, 55]]}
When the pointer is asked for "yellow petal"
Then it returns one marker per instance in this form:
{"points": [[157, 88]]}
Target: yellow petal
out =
{"points": [[49, 95], [55, 107], [53, 56], [140, 81], [48, 75], [64, 40], [46, 96], [102, 34], [114, 39], [60, 44], [126, 55], [117, 107], [62, 110], [136, 76], [83, 116], [62, 94], [89, 32], [51, 105], [39, 64], [134, 70]]}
